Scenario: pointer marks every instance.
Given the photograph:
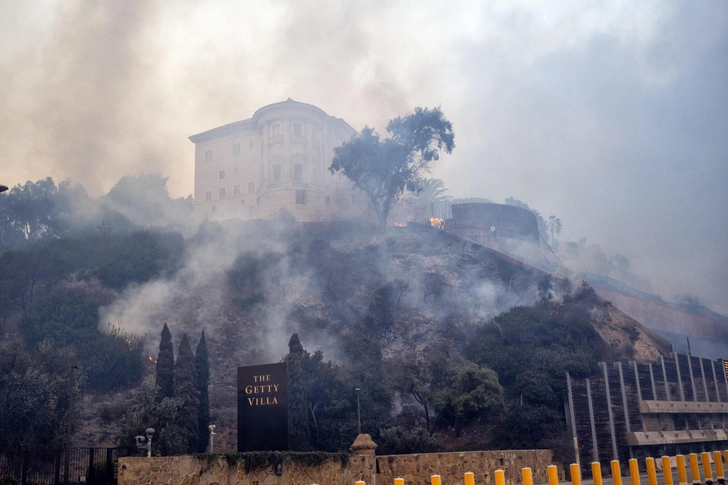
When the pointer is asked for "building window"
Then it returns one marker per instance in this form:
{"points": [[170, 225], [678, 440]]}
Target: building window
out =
{"points": [[236, 169], [297, 172], [221, 175], [208, 156], [208, 196], [300, 196], [276, 174], [251, 187], [250, 144], [314, 134], [221, 193], [236, 190], [236, 149], [328, 200], [276, 130], [355, 199], [296, 129], [242, 201]]}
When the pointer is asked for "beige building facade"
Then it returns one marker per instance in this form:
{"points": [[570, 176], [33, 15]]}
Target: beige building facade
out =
{"points": [[275, 162]]}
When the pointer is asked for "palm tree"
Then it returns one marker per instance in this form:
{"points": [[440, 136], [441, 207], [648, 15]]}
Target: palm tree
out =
{"points": [[430, 191], [554, 226]]}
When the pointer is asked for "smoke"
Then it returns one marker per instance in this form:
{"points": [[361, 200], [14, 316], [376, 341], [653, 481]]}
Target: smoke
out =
{"points": [[609, 116]]}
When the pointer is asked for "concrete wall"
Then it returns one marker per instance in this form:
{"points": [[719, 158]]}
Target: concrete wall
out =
{"points": [[671, 323], [415, 469]]}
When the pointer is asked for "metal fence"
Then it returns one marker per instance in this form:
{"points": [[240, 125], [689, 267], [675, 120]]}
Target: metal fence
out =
{"points": [[91, 466]]}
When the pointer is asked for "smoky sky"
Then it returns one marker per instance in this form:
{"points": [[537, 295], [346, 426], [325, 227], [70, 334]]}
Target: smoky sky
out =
{"points": [[610, 115]]}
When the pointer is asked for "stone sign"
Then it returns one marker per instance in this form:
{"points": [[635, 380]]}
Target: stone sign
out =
{"points": [[263, 407]]}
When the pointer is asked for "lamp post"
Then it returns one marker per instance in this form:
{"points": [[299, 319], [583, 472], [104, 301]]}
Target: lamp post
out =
{"points": [[358, 409]]}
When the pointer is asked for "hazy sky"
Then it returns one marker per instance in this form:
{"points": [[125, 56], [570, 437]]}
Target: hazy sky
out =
{"points": [[612, 116]]}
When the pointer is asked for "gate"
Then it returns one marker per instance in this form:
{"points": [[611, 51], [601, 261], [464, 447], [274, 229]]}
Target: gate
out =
{"points": [[90, 466]]}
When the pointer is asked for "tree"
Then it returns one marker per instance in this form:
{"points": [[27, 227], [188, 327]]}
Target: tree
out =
{"points": [[165, 365], [299, 434], [383, 169], [202, 371], [473, 389], [185, 389], [148, 411], [33, 396], [554, 226]]}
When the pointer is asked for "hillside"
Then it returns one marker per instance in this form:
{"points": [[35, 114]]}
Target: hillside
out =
{"points": [[251, 285]]}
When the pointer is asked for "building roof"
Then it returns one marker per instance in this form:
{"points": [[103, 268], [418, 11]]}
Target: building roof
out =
{"points": [[252, 123]]}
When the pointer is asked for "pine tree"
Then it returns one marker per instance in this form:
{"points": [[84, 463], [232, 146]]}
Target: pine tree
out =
{"points": [[299, 434], [165, 365], [202, 371], [185, 388]]}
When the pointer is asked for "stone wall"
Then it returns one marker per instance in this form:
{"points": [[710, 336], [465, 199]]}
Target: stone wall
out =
{"points": [[415, 469]]}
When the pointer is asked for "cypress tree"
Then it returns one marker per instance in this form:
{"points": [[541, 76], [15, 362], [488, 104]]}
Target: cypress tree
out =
{"points": [[299, 434], [185, 388], [165, 365], [202, 370]]}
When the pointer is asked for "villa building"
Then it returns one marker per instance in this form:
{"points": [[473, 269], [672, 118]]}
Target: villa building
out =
{"points": [[275, 162]]}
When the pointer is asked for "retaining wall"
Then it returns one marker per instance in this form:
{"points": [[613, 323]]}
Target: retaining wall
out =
{"points": [[415, 469]]}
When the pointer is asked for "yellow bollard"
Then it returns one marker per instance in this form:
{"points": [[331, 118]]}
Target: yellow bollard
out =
{"points": [[500, 478], [616, 472], [597, 472], [634, 471], [707, 469], [682, 473], [575, 474], [435, 480], [553, 473], [399, 481], [359, 482], [469, 478], [667, 470], [719, 473], [527, 477], [694, 468], [651, 471]]}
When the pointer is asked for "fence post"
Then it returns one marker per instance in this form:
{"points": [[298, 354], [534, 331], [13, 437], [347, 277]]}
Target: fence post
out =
{"points": [[651, 471], [110, 466], [667, 470], [596, 472], [24, 468], [682, 473], [694, 469], [707, 470], [634, 471], [616, 472], [720, 474], [90, 473], [553, 473], [57, 475]]}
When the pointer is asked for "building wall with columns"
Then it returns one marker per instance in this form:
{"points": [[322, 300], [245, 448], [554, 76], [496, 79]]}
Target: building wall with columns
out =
{"points": [[276, 161]]}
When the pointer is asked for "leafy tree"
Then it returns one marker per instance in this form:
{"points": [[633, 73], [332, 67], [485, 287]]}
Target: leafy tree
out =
{"points": [[383, 169], [472, 390], [33, 396], [185, 389], [145, 200], [554, 227], [68, 317], [202, 371], [148, 411], [165, 364], [434, 284], [299, 434]]}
